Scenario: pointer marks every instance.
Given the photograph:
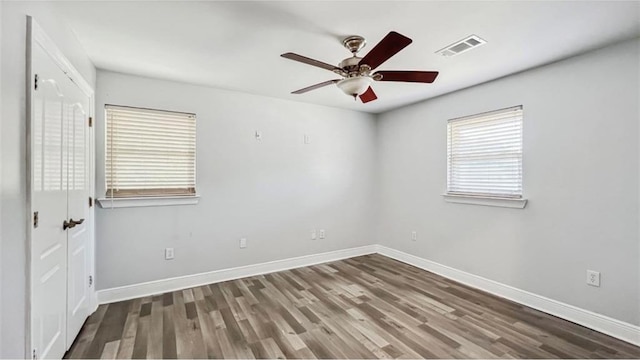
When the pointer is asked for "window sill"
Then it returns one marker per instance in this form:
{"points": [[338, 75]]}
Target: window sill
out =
{"points": [[113, 203], [486, 201]]}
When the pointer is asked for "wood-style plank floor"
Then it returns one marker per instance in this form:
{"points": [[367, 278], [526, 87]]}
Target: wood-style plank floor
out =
{"points": [[364, 307]]}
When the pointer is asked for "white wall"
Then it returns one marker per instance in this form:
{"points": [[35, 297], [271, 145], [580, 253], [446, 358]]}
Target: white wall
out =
{"points": [[13, 151], [581, 163], [272, 191]]}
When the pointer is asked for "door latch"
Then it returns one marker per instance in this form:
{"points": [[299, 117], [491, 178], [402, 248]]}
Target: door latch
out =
{"points": [[35, 219]]}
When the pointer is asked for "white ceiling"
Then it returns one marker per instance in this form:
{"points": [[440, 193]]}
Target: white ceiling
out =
{"points": [[236, 45]]}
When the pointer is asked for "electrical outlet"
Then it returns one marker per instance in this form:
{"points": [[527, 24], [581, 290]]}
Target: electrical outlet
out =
{"points": [[322, 234], [168, 254], [314, 235], [414, 236], [243, 243], [593, 278], [307, 139]]}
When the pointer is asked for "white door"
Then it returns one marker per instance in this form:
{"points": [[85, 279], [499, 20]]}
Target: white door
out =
{"points": [[49, 199], [77, 209], [60, 193]]}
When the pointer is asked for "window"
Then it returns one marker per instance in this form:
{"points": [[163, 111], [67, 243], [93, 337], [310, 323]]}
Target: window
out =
{"points": [[150, 153], [485, 155]]}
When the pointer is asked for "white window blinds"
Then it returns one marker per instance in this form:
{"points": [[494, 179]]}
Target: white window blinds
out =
{"points": [[485, 154], [149, 152]]}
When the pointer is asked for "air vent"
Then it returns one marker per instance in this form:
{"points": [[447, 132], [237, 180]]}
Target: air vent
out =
{"points": [[461, 46]]}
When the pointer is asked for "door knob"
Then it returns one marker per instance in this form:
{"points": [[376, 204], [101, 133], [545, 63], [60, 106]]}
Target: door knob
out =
{"points": [[71, 223], [67, 225]]}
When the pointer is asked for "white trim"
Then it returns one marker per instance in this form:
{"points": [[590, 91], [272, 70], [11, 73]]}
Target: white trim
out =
{"points": [[486, 201], [113, 203], [183, 282], [28, 266], [604, 324], [41, 38]]}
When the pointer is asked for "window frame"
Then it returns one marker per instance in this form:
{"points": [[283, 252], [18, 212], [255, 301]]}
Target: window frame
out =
{"points": [[147, 197], [478, 198]]}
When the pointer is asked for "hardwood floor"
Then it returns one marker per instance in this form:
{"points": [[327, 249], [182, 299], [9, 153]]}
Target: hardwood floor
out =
{"points": [[364, 307]]}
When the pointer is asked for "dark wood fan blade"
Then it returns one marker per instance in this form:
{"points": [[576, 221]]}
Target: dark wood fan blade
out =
{"points": [[408, 76], [385, 49], [310, 61], [368, 95], [316, 86]]}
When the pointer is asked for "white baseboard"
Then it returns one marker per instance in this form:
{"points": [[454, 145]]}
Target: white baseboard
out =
{"points": [[93, 301], [183, 282], [604, 324]]}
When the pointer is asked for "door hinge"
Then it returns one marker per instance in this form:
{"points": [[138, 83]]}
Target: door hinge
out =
{"points": [[35, 82], [90, 201], [90, 280], [35, 219], [90, 121], [35, 354]]}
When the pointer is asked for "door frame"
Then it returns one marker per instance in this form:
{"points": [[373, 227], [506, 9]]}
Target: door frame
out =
{"points": [[36, 36]]}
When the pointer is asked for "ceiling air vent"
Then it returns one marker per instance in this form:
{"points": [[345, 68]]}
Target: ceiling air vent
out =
{"points": [[461, 46]]}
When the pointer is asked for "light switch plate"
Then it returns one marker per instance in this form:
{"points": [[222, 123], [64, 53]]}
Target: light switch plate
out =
{"points": [[168, 254]]}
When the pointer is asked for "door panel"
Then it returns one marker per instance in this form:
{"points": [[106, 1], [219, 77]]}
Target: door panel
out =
{"points": [[77, 209], [49, 240]]}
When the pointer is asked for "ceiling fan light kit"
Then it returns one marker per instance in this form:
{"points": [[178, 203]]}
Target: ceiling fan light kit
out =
{"points": [[354, 86], [356, 71]]}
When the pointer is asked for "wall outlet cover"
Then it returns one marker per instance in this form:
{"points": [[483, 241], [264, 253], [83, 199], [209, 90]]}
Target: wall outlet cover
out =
{"points": [[168, 254], [414, 235], [322, 234], [243, 243], [593, 278]]}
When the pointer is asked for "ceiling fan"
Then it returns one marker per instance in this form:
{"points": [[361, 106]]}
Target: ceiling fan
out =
{"points": [[356, 71]]}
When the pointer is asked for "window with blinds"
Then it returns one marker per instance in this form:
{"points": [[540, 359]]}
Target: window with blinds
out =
{"points": [[485, 154], [149, 152]]}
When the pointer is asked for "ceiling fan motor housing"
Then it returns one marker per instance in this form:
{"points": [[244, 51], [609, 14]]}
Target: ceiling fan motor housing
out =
{"points": [[350, 64]]}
